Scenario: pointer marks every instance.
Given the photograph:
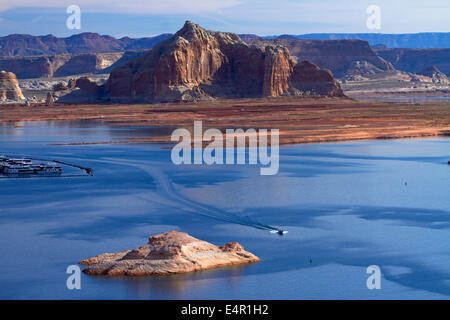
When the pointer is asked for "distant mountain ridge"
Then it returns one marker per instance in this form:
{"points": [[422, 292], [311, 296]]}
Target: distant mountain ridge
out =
{"points": [[87, 42], [27, 45], [49, 56], [417, 60], [413, 40]]}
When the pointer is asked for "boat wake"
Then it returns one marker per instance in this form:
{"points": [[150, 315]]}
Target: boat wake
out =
{"points": [[167, 190]]}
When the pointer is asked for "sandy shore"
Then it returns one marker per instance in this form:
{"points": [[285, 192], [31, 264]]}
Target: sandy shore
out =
{"points": [[304, 120]]}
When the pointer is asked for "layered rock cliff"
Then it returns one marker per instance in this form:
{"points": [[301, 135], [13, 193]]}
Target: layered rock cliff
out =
{"points": [[309, 78], [59, 65], [168, 253], [9, 87], [416, 60], [407, 40], [198, 64], [342, 57]]}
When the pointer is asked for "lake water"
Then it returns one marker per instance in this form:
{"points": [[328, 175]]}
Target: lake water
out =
{"points": [[346, 206], [406, 99]]}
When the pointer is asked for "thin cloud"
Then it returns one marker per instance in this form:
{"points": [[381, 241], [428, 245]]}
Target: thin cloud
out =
{"points": [[135, 6], [264, 17], [37, 19]]}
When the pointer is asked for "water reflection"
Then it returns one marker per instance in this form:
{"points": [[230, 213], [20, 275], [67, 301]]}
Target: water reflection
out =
{"points": [[178, 286], [417, 100], [76, 131]]}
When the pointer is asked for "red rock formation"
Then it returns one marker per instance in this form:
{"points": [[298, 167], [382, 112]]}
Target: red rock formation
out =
{"points": [[198, 64], [167, 253], [88, 85], [309, 78], [9, 87], [50, 99], [277, 69]]}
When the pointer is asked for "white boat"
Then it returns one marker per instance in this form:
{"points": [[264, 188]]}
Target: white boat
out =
{"points": [[280, 232]]}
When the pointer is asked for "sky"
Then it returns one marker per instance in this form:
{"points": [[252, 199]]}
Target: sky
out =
{"points": [[140, 18]]}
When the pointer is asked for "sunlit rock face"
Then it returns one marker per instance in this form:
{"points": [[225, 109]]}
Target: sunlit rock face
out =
{"points": [[9, 87], [198, 64], [436, 75]]}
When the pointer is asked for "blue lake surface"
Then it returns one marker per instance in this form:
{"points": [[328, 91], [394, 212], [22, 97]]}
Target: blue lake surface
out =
{"points": [[347, 206], [406, 99]]}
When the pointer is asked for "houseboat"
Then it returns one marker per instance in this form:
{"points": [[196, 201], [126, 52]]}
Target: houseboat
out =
{"points": [[23, 166]]}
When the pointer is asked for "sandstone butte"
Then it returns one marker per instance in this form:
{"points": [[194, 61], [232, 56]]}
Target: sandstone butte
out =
{"points": [[198, 64], [168, 253], [9, 87]]}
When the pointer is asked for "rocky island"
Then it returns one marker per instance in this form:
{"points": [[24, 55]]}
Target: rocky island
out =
{"points": [[168, 253]]}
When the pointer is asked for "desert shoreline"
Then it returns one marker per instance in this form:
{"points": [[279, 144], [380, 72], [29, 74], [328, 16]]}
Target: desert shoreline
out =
{"points": [[300, 121]]}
